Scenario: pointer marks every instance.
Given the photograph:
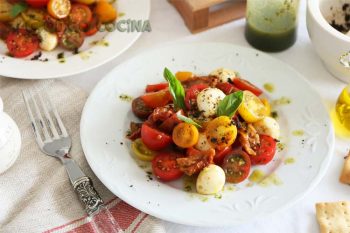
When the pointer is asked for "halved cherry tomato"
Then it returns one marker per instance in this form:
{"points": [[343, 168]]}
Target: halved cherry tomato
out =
{"points": [[227, 88], [165, 167], [236, 166], [220, 155], [37, 3], [54, 25], [21, 43], [168, 125], [93, 26], [265, 152], [59, 8], [154, 139], [156, 87], [80, 15], [183, 75], [243, 85], [157, 99], [221, 132], [185, 135], [105, 11], [191, 94], [72, 38], [141, 151], [251, 109]]}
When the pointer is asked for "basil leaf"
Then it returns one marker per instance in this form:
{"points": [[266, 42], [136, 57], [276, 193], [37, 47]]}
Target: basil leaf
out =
{"points": [[18, 8], [176, 89], [229, 105], [187, 120]]}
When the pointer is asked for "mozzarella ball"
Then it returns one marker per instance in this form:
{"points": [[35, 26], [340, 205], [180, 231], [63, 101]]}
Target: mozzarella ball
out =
{"points": [[210, 180], [208, 100], [224, 74], [48, 41], [202, 144], [268, 126]]}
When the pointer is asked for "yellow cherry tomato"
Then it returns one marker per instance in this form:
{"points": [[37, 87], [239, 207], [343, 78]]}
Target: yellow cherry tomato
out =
{"points": [[141, 151], [185, 135], [59, 8], [221, 132], [183, 75], [5, 11], [86, 2], [105, 11], [252, 108], [267, 106]]}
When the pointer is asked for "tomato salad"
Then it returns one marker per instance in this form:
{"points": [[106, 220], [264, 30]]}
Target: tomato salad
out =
{"points": [[29, 25], [213, 127]]}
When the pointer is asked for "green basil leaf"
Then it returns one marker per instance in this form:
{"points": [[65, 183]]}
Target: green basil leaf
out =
{"points": [[187, 120], [18, 8], [229, 105], [176, 89]]}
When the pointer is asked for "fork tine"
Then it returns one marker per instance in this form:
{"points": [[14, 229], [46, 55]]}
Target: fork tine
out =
{"points": [[40, 117], [34, 124], [48, 117], [58, 118]]}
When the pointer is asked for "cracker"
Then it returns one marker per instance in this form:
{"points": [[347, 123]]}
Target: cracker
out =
{"points": [[345, 174], [333, 217]]}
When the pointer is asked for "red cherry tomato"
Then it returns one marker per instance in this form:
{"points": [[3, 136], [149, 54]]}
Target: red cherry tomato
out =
{"points": [[37, 3], [80, 15], [236, 166], [191, 94], [21, 43], [227, 88], [265, 152], [165, 167], [220, 155], [157, 99], [243, 85], [154, 139], [156, 87]]}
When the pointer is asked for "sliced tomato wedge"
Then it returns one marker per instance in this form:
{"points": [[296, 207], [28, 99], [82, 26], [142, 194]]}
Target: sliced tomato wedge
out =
{"points": [[220, 155], [227, 88], [153, 138], [157, 99], [93, 26], [236, 166], [243, 85], [265, 152], [21, 43], [191, 94], [80, 15], [156, 87], [165, 167]]}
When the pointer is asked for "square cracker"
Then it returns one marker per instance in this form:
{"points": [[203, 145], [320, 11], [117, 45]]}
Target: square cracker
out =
{"points": [[333, 217], [345, 174]]}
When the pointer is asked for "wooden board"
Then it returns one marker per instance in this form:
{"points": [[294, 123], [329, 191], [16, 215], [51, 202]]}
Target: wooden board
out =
{"points": [[200, 15]]}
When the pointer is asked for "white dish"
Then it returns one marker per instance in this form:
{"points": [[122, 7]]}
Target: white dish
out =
{"points": [[90, 55], [106, 119]]}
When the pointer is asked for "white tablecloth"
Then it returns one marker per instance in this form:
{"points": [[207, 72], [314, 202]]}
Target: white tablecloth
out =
{"points": [[167, 26]]}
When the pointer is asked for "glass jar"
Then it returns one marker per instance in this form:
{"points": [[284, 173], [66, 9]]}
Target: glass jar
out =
{"points": [[271, 24]]}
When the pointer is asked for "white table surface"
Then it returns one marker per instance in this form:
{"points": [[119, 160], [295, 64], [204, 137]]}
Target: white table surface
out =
{"points": [[167, 27]]}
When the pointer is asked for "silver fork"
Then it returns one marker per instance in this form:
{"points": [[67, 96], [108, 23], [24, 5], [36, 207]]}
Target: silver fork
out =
{"points": [[53, 139]]}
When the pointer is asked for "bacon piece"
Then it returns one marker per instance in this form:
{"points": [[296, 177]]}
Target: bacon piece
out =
{"points": [[209, 80], [249, 138], [195, 161], [135, 131]]}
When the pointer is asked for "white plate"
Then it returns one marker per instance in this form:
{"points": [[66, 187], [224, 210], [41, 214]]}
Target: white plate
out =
{"points": [[106, 119], [90, 55]]}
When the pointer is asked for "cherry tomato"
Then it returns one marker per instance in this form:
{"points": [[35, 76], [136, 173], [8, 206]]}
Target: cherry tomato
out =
{"points": [[227, 88], [54, 25], [157, 99], [59, 8], [156, 87], [185, 135], [93, 26], [191, 94], [141, 151], [265, 152], [105, 11], [154, 139], [37, 3], [4, 30], [165, 167], [80, 15], [183, 75], [220, 155], [236, 166], [72, 38], [243, 85], [221, 132], [21, 43]]}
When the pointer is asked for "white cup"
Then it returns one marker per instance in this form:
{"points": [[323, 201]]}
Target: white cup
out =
{"points": [[10, 140]]}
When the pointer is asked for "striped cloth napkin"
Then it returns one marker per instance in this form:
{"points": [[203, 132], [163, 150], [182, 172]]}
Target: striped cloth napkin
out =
{"points": [[36, 194]]}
